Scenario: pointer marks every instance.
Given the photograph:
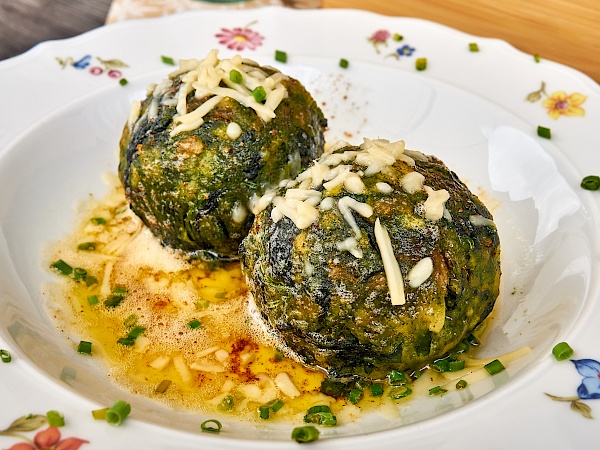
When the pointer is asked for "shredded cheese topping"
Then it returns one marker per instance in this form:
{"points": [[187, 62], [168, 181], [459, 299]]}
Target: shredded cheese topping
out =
{"points": [[390, 265], [212, 77]]}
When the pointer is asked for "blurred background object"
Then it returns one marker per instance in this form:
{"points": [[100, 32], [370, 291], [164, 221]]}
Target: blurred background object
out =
{"points": [[566, 31]]}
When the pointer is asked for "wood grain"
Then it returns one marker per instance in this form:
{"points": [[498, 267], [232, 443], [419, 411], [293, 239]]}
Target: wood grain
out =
{"points": [[565, 31]]}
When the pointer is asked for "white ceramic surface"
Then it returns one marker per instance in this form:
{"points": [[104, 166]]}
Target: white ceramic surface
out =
{"points": [[478, 111]]}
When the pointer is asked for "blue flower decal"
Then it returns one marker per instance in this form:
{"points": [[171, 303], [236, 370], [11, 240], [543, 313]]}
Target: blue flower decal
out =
{"points": [[405, 50], [83, 62], [590, 385]]}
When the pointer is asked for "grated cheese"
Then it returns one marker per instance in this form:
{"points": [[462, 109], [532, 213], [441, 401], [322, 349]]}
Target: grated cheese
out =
{"points": [[434, 205], [390, 265], [420, 272]]}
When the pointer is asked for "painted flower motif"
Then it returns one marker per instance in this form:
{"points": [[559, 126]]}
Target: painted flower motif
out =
{"points": [[590, 385], [49, 439], [562, 104], [240, 38], [378, 38], [405, 50]]}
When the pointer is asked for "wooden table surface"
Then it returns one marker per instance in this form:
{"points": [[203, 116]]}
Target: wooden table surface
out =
{"points": [[566, 31]]}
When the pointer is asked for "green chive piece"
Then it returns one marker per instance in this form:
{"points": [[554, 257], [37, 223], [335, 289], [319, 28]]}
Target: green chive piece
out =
{"points": [[120, 290], [208, 428], [62, 267], [400, 392], [397, 377], [98, 220], [264, 412], [455, 366], [130, 321], [163, 386], [591, 183], [536, 58], [136, 332], [193, 324], [305, 434], [473, 47], [562, 351], [344, 63], [543, 132], [437, 390], [167, 60], [494, 367], [5, 356], [355, 396], [280, 56], [441, 365], [123, 81], [472, 340], [235, 76], [55, 419], [79, 274], [321, 415], [275, 405], [226, 404], [421, 64], [93, 300], [87, 246], [117, 413], [278, 355], [377, 390], [397, 37], [85, 348], [259, 95], [128, 342], [90, 280], [99, 414], [113, 300], [202, 304], [461, 384]]}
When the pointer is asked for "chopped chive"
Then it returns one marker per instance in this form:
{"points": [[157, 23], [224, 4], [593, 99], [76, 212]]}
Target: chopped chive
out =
{"points": [[55, 419], [167, 60], [90, 280], [355, 396], [344, 63], [421, 64], [126, 341], [264, 412], [193, 324], [208, 428], [117, 413], [120, 290], [319, 409], [399, 392], [93, 300], [536, 58], [543, 132], [437, 390], [259, 95], [113, 300], [321, 415], [226, 404], [130, 321], [280, 56], [397, 377], [99, 414], [441, 365], [416, 374], [163, 386], [305, 434], [5, 356], [202, 304], [98, 220], [87, 246], [85, 348], [461, 384], [276, 405], [62, 267], [377, 390], [136, 332], [397, 37], [494, 367], [473, 47], [235, 76], [123, 81], [79, 274], [591, 183], [455, 366], [472, 340], [562, 351], [278, 355]]}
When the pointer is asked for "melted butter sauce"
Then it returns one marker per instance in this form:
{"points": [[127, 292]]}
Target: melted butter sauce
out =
{"points": [[199, 337]]}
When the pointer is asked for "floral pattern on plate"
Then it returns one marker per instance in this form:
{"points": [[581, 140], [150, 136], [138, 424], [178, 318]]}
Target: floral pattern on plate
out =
{"points": [[109, 66], [48, 439], [559, 103], [240, 38], [589, 389]]}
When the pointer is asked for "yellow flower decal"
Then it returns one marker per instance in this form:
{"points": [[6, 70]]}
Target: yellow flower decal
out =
{"points": [[561, 104]]}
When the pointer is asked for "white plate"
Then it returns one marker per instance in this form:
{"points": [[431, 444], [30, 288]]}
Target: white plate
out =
{"points": [[478, 111]]}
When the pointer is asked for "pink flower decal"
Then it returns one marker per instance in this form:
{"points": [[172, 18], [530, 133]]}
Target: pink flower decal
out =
{"points": [[239, 38], [49, 439]]}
